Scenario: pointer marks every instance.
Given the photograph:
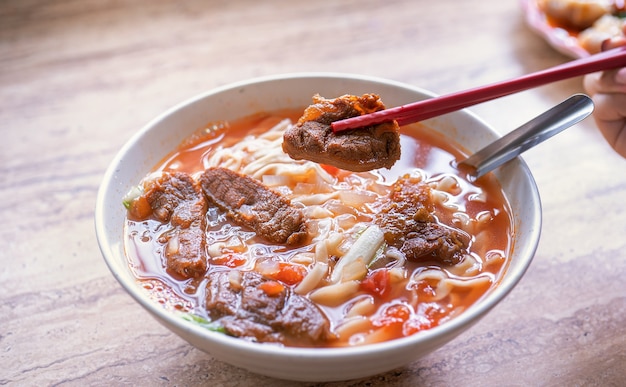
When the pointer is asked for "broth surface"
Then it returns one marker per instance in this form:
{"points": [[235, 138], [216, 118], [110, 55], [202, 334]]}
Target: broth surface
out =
{"points": [[394, 297]]}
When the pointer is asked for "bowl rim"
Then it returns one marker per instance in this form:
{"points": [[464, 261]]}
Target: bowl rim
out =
{"points": [[470, 316]]}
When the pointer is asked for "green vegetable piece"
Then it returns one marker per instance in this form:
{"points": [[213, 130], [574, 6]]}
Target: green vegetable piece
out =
{"points": [[203, 322], [365, 247], [132, 195]]}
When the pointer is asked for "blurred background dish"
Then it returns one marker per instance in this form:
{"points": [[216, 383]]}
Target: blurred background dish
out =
{"points": [[559, 38], [575, 28]]}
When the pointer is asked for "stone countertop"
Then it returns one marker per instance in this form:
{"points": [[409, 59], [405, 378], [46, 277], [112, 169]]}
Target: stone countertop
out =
{"points": [[78, 78]]}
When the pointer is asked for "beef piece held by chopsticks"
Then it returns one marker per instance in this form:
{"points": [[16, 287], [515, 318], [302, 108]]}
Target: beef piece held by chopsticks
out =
{"points": [[251, 204], [358, 150]]}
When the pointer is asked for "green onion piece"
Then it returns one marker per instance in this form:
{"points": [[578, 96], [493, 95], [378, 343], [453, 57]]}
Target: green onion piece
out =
{"points": [[365, 248], [133, 194], [203, 322]]}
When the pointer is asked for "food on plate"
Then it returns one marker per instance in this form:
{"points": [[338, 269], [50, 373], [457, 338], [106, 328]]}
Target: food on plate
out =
{"points": [[359, 150], [589, 21], [234, 235], [608, 26], [576, 14]]}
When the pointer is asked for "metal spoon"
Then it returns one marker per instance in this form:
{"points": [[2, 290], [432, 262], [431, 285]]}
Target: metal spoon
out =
{"points": [[562, 116]]}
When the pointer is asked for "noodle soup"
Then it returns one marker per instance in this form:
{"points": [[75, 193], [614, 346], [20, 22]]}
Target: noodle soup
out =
{"points": [[347, 271]]}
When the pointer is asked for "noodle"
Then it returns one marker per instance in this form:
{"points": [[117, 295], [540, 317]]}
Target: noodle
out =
{"points": [[336, 294]]}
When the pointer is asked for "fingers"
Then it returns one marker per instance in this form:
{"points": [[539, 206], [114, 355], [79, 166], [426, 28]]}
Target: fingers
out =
{"points": [[591, 83], [614, 42], [610, 117], [610, 81], [608, 89]]}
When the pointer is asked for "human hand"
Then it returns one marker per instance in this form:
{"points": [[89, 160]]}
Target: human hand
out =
{"points": [[608, 91]]}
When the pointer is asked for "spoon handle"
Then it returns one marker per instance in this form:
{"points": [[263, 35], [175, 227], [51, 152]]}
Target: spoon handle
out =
{"points": [[560, 117]]}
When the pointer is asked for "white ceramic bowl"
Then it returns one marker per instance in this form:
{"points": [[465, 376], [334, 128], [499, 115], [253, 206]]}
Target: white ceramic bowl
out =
{"points": [[160, 136]]}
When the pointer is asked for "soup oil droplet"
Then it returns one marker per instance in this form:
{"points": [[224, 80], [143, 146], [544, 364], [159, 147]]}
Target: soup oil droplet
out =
{"points": [[146, 237]]}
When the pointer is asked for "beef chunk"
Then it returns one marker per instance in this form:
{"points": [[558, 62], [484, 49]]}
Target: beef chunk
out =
{"points": [[177, 198], [245, 310], [251, 204], [434, 240], [407, 220], [185, 253], [357, 150], [302, 319]]}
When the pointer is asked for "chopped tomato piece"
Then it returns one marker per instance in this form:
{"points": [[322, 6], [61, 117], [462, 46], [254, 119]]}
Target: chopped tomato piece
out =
{"points": [[425, 290], [140, 208], [415, 325], [330, 169], [428, 315], [290, 274], [285, 272], [229, 260], [393, 314], [400, 312], [377, 283], [434, 312], [272, 288]]}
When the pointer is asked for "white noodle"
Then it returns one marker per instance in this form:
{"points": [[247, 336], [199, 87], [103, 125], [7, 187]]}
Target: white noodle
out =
{"points": [[173, 244], [312, 279], [215, 249], [317, 212], [364, 248], [321, 251], [352, 326], [336, 294], [449, 184], [234, 278], [310, 200], [445, 286], [363, 307], [484, 217], [333, 242], [396, 256], [303, 258], [469, 266]]}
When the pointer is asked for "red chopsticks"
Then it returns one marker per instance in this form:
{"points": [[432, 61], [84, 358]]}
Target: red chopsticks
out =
{"points": [[418, 111]]}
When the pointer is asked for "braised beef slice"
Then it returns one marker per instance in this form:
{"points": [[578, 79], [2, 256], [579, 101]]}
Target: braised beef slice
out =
{"points": [[358, 150], [302, 319], [245, 310], [222, 299], [434, 241], [177, 198], [241, 327], [407, 220], [251, 204]]}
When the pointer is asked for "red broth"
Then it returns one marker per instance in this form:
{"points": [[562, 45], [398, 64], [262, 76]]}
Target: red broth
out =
{"points": [[393, 299]]}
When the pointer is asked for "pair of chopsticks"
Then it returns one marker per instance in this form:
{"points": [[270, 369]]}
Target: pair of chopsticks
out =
{"points": [[422, 110]]}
